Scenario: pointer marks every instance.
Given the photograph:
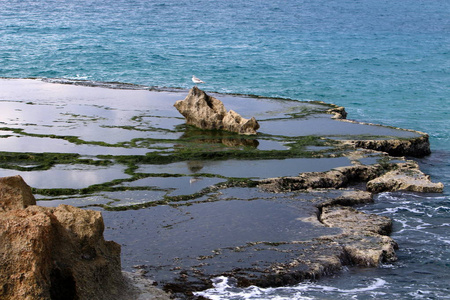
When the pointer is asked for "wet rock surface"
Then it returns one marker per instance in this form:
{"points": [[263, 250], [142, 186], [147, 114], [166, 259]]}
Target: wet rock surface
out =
{"points": [[263, 238], [270, 235], [187, 205]]}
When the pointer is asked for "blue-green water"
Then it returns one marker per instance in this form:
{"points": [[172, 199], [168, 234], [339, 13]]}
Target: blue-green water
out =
{"points": [[386, 61]]}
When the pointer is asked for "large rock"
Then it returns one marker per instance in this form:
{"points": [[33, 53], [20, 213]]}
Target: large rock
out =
{"points": [[54, 253], [207, 112]]}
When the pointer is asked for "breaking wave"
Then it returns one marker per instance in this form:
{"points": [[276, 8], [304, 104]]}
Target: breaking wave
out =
{"points": [[225, 289]]}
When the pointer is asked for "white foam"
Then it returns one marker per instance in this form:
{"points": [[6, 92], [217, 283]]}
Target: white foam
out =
{"points": [[222, 290]]}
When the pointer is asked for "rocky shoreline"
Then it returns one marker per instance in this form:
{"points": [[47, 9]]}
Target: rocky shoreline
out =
{"points": [[58, 253], [201, 203], [361, 240], [72, 240]]}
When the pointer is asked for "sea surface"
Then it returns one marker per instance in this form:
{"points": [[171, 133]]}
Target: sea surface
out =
{"points": [[387, 62]]}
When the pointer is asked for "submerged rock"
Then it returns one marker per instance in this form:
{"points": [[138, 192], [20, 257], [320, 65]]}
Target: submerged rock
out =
{"points": [[55, 253], [207, 112]]}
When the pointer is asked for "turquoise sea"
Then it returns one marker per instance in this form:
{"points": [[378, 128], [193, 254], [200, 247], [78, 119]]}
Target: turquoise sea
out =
{"points": [[387, 62]]}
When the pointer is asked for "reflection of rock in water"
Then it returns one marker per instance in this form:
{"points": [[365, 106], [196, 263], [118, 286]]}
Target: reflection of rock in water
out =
{"points": [[240, 142], [218, 137], [195, 166]]}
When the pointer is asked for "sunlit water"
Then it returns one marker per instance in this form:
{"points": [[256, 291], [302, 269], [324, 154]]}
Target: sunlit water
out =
{"points": [[386, 61]]}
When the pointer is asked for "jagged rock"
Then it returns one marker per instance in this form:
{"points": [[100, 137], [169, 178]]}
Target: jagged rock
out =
{"points": [[338, 112], [407, 177], [55, 253], [207, 112], [235, 123], [351, 220], [15, 193], [379, 178], [365, 239]]}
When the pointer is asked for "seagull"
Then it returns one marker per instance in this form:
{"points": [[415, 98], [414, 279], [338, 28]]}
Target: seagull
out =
{"points": [[196, 80]]}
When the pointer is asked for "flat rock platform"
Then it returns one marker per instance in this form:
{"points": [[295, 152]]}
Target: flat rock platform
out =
{"points": [[188, 205]]}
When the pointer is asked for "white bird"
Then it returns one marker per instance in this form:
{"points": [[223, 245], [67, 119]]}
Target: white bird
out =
{"points": [[196, 80]]}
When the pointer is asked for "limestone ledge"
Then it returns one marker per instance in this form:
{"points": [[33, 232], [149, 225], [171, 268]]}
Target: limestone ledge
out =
{"points": [[364, 240], [378, 178], [360, 239], [416, 147]]}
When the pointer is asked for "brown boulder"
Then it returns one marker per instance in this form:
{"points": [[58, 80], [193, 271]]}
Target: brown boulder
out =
{"points": [[15, 193], [207, 112], [54, 253]]}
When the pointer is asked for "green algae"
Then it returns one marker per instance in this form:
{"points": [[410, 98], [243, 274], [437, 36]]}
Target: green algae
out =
{"points": [[153, 127], [196, 145], [114, 186], [45, 161], [39, 161]]}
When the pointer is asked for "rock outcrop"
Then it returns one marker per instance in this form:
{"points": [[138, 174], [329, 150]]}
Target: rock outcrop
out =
{"points": [[416, 147], [54, 253], [378, 178], [407, 177], [338, 112], [336, 178], [207, 112], [365, 239]]}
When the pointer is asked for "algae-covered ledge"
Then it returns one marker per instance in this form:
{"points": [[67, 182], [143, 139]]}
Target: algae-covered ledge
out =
{"points": [[187, 204]]}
